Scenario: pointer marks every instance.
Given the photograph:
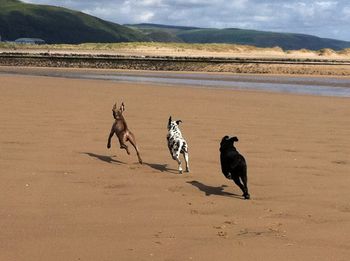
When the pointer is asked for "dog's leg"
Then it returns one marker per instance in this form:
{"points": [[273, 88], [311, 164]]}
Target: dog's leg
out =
{"points": [[187, 162], [244, 179], [122, 141], [110, 137], [132, 140], [179, 162], [177, 155], [185, 154], [239, 184]]}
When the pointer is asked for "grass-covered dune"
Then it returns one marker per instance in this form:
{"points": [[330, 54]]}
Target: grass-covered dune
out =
{"points": [[176, 49]]}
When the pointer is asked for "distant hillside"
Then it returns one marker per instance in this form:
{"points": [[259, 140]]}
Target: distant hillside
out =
{"points": [[287, 41], [161, 33], [59, 25]]}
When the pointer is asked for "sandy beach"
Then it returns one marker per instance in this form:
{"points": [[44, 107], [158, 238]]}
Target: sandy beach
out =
{"points": [[65, 196]]}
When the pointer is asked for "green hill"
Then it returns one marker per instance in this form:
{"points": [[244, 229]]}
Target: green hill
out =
{"points": [[59, 25], [287, 41], [161, 33]]}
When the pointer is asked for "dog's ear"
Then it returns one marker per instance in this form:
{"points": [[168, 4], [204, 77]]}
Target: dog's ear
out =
{"points": [[228, 140], [233, 139], [114, 110], [224, 139], [178, 121], [122, 107], [169, 121], [225, 143]]}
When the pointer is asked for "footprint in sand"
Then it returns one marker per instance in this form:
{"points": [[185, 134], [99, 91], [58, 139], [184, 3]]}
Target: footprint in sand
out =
{"points": [[194, 212], [222, 234]]}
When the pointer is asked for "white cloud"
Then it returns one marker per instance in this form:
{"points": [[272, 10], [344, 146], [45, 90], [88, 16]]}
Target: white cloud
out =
{"points": [[146, 17]]}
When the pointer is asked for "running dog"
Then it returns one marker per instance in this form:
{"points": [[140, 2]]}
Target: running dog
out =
{"points": [[233, 164], [120, 129], [177, 144]]}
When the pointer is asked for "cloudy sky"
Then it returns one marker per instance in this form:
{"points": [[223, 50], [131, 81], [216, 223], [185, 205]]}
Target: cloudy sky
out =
{"points": [[324, 18]]}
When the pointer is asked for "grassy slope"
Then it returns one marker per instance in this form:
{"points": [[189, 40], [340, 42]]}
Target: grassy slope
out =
{"points": [[261, 39], [59, 25], [287, 41], [159, 33]]}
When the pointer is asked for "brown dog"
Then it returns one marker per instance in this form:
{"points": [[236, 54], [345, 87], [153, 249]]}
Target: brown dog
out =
{"points": [[120, 129]]}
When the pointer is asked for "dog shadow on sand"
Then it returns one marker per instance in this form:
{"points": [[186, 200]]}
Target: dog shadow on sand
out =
{"points": [[210, 190], [104, 158], [110, 159], [161, 167]]}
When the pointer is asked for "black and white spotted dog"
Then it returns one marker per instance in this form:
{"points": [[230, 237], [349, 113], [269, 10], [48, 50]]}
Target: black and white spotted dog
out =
{"points": [[177, 144]]}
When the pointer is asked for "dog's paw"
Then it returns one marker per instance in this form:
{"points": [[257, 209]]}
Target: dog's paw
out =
{"points": [[108, 146], [246, 196]]}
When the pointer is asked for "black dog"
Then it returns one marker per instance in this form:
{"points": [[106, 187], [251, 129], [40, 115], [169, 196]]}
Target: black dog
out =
{"points": [[233, 164]]}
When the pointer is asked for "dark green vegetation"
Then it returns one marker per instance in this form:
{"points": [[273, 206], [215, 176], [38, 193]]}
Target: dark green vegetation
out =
{"points": [[287, 41], [162, 33], [58, 25]]}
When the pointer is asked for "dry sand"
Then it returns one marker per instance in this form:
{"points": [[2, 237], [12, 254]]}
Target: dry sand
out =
{"points": [[294, 62], [65, 196], [183, 50]]}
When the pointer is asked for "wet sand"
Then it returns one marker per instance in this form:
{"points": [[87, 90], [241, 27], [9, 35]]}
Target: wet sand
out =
{"points": [[65, 196], [298, 84]]}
